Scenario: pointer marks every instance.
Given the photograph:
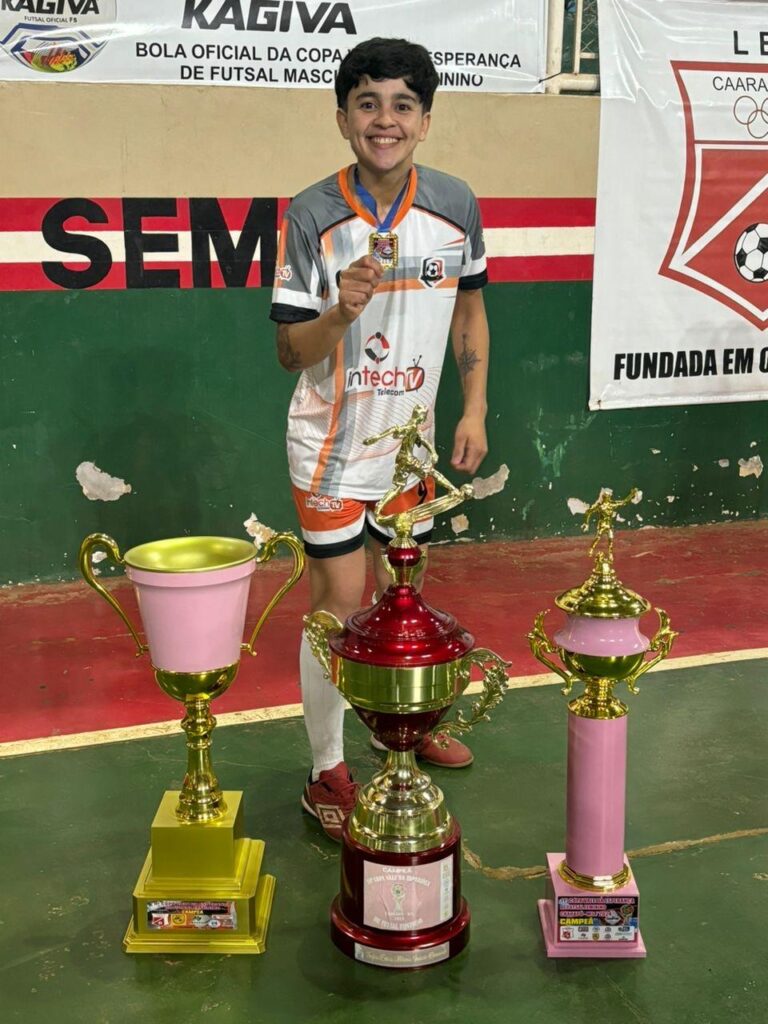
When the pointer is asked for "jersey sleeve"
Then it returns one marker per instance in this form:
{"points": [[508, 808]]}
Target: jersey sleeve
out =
{"points": [[299, 279], [474, 272]]}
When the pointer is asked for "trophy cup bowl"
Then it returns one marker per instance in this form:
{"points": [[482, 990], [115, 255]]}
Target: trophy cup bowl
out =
{"points": [[401, 665], [192, 594], [592, 894]]}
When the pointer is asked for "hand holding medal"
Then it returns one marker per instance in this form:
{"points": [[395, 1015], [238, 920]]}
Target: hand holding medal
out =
{"points": [[356, 286]]}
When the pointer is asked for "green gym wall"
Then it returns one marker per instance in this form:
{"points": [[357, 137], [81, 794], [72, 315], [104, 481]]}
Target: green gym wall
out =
{"points": [[177, 390]]}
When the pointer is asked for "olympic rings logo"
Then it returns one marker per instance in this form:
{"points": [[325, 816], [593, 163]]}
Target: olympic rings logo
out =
{"points": [[752, 115]]}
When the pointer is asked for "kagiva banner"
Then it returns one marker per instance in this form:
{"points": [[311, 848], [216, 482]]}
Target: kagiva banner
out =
{"points": [[681, 242], [479, 46]]}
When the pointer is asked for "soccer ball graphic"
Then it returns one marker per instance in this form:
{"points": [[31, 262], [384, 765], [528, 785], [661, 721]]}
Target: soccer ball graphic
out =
{"points": [[751, 253]]}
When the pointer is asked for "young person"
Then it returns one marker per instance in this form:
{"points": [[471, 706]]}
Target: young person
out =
{"points": [[376, 265]]}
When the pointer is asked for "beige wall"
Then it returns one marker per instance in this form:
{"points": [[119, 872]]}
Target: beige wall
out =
{"points": [[111, 140]]}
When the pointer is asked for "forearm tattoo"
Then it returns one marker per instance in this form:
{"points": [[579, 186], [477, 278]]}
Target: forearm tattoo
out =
{"points": [[467, 359], [286, 353]]}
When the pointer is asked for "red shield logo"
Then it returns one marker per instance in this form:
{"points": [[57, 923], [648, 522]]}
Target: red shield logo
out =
{"points": [[720, 242]]}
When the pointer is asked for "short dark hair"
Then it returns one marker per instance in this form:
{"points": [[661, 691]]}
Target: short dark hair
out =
{"points": [[380, 58]]}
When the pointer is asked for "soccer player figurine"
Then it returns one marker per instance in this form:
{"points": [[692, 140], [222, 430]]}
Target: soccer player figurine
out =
{"points": [[605, 508], [408, 465], [377, 265]]}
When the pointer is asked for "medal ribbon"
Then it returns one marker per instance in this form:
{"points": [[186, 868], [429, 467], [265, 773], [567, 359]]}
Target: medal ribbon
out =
{"points": [[369, 203]]}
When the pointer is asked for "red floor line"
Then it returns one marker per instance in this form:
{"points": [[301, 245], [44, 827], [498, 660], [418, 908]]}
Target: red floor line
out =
{"points": [[73, 668]]}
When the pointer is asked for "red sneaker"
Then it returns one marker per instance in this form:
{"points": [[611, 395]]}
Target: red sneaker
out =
{"points": [[331, 799], [455, 755]]}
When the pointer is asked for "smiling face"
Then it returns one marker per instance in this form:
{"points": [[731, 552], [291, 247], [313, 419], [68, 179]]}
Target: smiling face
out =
{"points": [[383, 123]]}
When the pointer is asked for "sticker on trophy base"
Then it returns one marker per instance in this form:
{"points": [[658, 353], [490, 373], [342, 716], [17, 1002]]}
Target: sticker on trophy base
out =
{"points": [[597, 918], [407, 897], [192, 915], [402, 957]]}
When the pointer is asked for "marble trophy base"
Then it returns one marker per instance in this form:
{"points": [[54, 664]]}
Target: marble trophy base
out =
{"points": [[400, 910], [568, 913], [201, 889]]}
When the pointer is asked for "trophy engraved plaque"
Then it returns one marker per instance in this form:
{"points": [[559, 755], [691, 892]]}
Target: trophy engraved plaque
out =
{"points": [[201, 889], [401, 664], [592, 906]]}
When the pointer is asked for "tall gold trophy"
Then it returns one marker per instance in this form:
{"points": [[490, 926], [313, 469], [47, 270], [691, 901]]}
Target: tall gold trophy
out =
{"points": [[401, 664], [201, 889], [592, 906]]}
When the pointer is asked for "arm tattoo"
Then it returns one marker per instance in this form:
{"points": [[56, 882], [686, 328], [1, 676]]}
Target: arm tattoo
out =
{"points": [[286, 353], [467, 359]]}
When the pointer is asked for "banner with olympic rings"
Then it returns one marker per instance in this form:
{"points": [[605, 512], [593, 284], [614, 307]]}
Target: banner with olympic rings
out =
{"points": [[680, 302]]}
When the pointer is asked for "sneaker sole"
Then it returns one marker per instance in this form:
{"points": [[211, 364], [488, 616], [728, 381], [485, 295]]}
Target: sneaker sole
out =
{"points": [[442, 764], [308, 807]]}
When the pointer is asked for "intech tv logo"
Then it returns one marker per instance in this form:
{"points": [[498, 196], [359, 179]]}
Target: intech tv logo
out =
{"points": [[393, 381]]}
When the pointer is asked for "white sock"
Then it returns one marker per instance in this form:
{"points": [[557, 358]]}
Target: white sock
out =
{"points": [[323, 713]]}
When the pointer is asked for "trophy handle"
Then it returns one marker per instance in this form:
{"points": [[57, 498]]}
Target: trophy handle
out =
{"points": [[541, 646], [268, 549], [89, 545], [494, 687], [318, 628], [661, 645]]}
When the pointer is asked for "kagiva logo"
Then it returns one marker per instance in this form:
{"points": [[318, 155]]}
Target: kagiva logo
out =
{"points": [[54, 36], [719, 244]]}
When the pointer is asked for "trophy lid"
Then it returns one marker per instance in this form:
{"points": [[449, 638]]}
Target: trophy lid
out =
{"points": [[401, 630], [602, 595]]}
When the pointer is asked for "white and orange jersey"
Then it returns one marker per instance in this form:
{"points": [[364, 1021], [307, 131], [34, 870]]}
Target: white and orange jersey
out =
{"points": [[391, 357]]}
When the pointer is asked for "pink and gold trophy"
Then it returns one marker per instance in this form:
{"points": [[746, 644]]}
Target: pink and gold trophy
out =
{"points": [[401, 664], [201, 889], [592, 904]]}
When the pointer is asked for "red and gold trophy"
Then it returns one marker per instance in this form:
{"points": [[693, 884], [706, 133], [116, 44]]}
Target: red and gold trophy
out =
{"points": [[592, 906], [401, 664]]}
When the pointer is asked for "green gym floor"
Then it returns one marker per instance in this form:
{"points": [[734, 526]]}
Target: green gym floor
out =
{"points": [[76, 829]]}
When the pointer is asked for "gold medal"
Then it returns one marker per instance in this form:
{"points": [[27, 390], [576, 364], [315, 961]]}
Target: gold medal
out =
{"points": [[383, 246]]}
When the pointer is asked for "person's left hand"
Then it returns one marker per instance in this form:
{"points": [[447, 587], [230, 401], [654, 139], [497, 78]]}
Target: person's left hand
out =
{"points": [[470, 444]]}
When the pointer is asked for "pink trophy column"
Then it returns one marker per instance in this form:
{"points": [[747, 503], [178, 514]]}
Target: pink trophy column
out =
{"points": [[597, 769]]}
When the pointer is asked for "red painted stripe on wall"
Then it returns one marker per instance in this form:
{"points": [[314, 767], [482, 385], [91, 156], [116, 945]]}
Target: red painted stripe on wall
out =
{"points": [[537, 213], [528, 240], [507, 269]]}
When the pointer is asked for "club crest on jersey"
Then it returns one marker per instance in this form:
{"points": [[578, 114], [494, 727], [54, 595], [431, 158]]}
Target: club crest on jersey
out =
{"points": [[432, 271], [719, 243]]}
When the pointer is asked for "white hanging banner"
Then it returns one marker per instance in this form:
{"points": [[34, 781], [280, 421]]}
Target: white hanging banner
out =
{"points": [[482, 46], [680, 306]]}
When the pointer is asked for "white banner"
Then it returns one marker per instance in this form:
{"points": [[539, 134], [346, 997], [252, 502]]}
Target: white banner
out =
{"points": [[476, 45], [680, 306]]}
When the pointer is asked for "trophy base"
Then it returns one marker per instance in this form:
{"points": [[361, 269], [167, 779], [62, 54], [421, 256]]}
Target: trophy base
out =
{"points": [[400, 910], [579, 923], [405, 952], [201, 889]]}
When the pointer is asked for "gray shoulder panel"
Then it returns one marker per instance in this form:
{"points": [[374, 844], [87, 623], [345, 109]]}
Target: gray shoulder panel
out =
{"points": [[320, 206], [446, 196]]}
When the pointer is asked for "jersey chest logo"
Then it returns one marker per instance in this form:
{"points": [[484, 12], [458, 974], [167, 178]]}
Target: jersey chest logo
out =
{"points": [[432, 271]]}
